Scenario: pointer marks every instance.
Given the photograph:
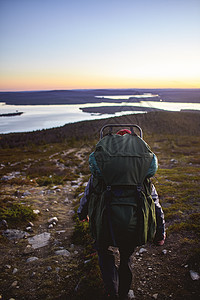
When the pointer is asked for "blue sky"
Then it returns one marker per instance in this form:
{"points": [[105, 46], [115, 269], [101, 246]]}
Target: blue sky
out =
{"points": [[48, 44]]}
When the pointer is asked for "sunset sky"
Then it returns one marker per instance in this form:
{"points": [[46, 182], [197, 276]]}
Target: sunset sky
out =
{"points": [[66, 44]]}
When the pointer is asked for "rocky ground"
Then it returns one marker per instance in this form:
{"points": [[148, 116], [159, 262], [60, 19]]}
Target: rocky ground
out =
{"points": [[40, 261]]}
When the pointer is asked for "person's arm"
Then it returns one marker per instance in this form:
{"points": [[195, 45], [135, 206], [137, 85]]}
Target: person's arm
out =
{"points": [[83, 208], [160, 230]]}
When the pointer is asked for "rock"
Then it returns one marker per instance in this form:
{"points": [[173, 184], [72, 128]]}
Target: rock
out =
{"points": [[63, 252], [49, 268], [8, 266], [52, 220], [75, 186], [30, 224], [75, 252], [3, 224], [81, 194], [60, 231], [29, 229], [87, 261], [7, 177], [14, 284], [41, 193], [67, 201], [164, 251], [131, 294], [142, 250], [194, 275], [27, 193], [174, 161], [15, 234], [74, 183], [55, 187], [33, 274], [50, 226], [36, 211], [31, 259], [39, 240], [28, 249], [155, 296], [51, 192], [15, 270]]}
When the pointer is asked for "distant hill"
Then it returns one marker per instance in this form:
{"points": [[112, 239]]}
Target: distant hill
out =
{"points": [[88, 96], [159, 122]]}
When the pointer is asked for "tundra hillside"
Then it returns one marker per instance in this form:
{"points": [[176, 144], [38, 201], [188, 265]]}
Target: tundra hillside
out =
{"points": [[46, 252]]}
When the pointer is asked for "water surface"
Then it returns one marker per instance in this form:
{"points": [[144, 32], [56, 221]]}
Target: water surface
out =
{"points": [[37, 117]]}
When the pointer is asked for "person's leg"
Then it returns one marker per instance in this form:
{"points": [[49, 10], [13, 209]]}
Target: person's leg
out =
{"points": [[109, 271], [125, 274]]}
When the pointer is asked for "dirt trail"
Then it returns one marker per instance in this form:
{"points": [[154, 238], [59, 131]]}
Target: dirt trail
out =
{"points": [[46, 277]]}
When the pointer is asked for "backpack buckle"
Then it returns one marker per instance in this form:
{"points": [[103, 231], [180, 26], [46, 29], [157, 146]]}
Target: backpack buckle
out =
{"points": [[108, 188], [139, 188]]}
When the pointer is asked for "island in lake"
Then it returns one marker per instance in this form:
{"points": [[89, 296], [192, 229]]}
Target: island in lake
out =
{"points": [[115, 109], [17, 113]]}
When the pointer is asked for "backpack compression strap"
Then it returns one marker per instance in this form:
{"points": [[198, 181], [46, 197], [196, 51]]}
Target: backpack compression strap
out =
{"points": [[108, 196]]}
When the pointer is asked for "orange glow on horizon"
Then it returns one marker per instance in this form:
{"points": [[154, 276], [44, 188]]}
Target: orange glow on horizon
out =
{"points": [[32, 83]]}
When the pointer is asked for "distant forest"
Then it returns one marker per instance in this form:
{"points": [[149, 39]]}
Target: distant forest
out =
{"points": [[158, 122], [88, 96]]}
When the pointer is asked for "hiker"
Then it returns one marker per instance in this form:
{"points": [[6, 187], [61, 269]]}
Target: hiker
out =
{"points": [[114, 209]]}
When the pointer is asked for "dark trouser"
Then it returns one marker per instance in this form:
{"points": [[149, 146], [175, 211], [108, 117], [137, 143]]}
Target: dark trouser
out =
{"points": [[116, 281]]}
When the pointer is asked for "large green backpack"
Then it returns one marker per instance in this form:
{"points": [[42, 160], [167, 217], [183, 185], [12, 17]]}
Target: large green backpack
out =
{"points": [[121, 207]]}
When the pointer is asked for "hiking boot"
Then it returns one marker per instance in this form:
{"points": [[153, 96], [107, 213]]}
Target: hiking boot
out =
{"points": [[161, 242], [129, 296]]}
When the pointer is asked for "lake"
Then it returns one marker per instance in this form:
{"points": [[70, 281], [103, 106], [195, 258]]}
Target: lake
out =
{"points": [[37, 117]]}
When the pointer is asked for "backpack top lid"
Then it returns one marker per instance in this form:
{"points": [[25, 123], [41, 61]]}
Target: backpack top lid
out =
{"points": [[123, 159], [122, 131]]}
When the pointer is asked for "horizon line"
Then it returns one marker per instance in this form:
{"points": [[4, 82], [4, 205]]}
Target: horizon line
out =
{"points": [[92, 89]]}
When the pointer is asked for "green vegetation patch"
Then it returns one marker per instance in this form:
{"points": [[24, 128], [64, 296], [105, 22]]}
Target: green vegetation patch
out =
{"points": [[15, 213], [190, 224]]}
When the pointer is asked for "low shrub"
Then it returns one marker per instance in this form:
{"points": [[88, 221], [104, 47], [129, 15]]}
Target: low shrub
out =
{"points": [[16, 213]]}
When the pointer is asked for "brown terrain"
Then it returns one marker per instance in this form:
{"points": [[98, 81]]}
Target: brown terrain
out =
{"points": [[47, 172]]}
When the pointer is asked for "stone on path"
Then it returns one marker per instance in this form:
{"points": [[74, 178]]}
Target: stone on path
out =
{"points": [[194, 275], [53, 220], [131, 294], [15, 234], [142, 250], [63, 252], [39, 240], [36, 211], [31, 259]]}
